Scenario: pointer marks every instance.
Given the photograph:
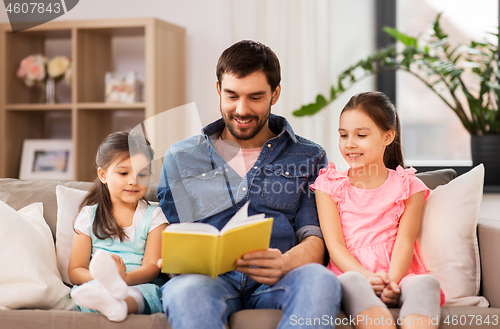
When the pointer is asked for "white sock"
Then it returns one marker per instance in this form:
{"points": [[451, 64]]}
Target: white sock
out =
{"points": [[139, 299], [103, 269], [90, 295]]}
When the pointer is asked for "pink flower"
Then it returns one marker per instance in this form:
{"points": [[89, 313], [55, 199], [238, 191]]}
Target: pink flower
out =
{"points": [[36, 70], [22, 71], [32, 69]]}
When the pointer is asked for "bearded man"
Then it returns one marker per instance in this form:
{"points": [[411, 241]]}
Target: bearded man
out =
{"points": [[250, 155]]}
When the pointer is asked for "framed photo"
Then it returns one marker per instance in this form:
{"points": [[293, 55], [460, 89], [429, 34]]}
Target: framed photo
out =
{"points": [[121, 88], [47, 159]]}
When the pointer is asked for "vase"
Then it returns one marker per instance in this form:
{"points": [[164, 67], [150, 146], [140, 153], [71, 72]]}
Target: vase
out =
{"points": [[485, 149], [49, 96]]}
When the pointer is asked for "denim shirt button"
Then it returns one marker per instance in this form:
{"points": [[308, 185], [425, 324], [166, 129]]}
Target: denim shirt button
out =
{"points": [[203, 174], [287, 173], [227, 170], [268, 145], [255, 167], [244, 188]]}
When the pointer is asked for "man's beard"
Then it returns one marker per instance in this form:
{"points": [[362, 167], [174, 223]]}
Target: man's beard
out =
{"points": [[247, 133]]}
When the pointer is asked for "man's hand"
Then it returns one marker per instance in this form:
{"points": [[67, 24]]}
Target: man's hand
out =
{"points": [[390, 294], [379, 281], [263, 266]]}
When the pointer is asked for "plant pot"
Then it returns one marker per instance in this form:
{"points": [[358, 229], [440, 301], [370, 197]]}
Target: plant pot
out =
{"points": [[485, 149]]}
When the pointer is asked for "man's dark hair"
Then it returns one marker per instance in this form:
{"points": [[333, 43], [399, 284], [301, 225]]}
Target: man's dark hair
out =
{"points": [[246, 57]]}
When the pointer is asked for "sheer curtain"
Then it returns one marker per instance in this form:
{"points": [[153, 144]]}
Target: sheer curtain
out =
{"points": [[315, 41]]}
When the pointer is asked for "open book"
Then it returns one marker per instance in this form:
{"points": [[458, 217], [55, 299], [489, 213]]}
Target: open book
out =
{"points": [[201, 248]]}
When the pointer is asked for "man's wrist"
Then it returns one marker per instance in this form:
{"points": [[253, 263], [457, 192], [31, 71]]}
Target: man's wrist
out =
{"points": [[287, 267]]}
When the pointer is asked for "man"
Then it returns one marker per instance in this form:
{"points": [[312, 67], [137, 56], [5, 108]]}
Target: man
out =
{"points": [[250, 155]]}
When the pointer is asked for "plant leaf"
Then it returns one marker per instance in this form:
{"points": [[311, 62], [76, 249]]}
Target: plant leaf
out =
{"points": [[401, 37]]}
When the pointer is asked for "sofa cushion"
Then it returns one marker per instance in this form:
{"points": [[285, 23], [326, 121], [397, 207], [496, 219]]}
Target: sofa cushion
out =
{"points": [[20, 193], [434, 178], [68, 206], [55, 319], [448, 240], [29, 277], [488, 232]]}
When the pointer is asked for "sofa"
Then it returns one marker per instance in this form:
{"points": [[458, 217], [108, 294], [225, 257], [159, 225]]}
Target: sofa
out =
{"points": [[18, 193]]}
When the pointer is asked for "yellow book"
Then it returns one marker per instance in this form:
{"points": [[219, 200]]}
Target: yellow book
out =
{"points": [[202, 248]]}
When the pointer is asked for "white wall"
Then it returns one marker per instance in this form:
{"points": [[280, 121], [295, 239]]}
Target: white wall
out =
{"points": [[213, 25]]}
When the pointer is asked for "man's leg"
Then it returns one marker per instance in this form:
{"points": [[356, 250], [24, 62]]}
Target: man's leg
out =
{"points": [[309, 297], [198, 301]]}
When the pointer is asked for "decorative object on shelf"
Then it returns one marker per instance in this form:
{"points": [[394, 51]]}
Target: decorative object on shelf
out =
{"points": [[450, 71], [122, 88], [47, 159], [38, 70]]}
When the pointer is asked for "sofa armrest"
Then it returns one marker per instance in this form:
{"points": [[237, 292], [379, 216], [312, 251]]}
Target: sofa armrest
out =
{"points": [[488, 232]]}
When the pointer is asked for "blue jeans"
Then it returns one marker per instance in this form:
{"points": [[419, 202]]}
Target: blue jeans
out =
{"points": [[198, 301]]}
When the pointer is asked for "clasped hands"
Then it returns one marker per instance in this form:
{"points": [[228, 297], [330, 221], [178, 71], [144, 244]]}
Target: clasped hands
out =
{"points": [[385, 288]]}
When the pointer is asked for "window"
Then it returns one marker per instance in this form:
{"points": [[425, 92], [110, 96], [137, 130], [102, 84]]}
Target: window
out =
{"points": [[432, 134]]}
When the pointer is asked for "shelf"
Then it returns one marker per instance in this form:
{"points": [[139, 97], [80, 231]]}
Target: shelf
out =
{"points": [[111, 106], [80, 106], [38, 107], [153, 48]]}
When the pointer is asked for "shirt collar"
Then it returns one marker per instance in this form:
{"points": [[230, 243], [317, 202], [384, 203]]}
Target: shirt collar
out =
{"points": [[277, 124]]}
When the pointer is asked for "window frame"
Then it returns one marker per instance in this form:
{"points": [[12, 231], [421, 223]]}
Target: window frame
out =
{"points": [[385, 15]]}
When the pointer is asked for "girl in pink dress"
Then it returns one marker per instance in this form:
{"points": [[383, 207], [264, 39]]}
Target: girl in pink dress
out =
{"points": [[370, 218]]}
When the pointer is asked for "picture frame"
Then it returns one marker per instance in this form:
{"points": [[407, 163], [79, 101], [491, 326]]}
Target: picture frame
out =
{"points": [[50, 159], [121, 87]]}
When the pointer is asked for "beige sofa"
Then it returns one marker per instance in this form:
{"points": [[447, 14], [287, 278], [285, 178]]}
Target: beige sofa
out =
{"points": [[22, 193]]}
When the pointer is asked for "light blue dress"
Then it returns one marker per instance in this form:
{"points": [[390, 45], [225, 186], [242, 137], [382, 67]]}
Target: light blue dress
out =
{"points": [[132, 253]]}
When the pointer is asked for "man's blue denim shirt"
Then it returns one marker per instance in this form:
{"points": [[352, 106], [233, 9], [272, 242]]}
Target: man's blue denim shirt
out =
{"points": [[197, 184]]}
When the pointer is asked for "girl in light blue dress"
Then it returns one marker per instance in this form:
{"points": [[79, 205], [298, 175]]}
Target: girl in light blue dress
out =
{"points": [[117, 239]]}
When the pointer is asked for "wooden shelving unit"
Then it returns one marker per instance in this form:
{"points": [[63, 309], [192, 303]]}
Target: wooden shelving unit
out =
{"points": [[86, 118]]}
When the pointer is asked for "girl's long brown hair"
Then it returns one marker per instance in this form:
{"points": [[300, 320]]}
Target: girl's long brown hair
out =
{"points": [[114, 146], [380, 109]]}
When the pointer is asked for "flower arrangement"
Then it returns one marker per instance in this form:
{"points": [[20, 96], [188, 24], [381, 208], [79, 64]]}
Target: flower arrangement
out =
{"points": [[36, 69]]}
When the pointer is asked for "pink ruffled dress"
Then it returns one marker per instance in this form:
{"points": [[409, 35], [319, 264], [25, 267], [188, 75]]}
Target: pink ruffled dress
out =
{"points": [[370, 217]]}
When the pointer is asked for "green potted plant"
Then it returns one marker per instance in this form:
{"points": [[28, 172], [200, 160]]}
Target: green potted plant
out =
{"points": [[433, 60]]}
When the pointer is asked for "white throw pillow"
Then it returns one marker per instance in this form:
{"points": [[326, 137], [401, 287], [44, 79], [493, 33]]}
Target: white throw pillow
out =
{"points": [[68, 203], [448, 240], [28, 276]]}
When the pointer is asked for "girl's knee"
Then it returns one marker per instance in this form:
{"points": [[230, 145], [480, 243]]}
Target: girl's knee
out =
{"points": [[353, 280], [423, 282], [351, 277]]}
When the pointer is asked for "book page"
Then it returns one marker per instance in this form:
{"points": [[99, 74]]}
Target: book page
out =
{"points": [[193, 228], [239, 241], [241, 218]]}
